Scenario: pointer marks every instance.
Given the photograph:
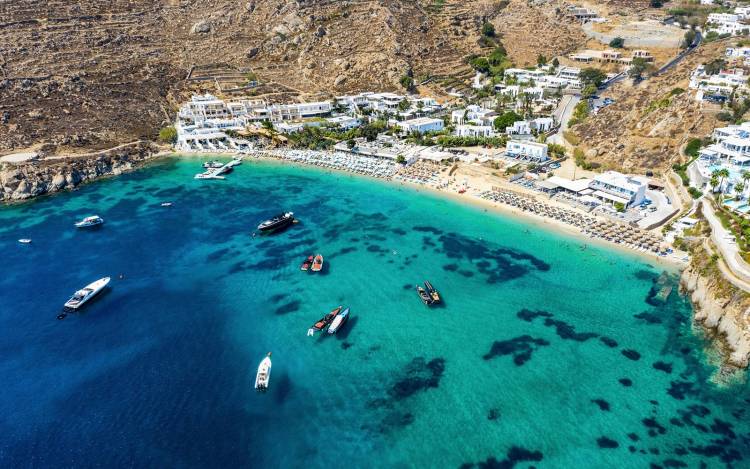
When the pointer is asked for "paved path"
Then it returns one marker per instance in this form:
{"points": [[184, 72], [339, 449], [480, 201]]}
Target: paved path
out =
{"points": [[563, 114], [722, 240]]}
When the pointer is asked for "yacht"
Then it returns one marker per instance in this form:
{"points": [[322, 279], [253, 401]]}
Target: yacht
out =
{"points": [[208, 175], [83, 295], [263, 377], [278, 222], [87, 222], [338, 321], [432, 292], [213, 164], [166, 204], [24, 241]]}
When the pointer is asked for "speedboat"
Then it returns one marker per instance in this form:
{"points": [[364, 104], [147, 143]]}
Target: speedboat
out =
{"points": [[317, 265], [166, 204], [278, 222], [83, 295], [213, 164], [208, 175], [87, 222], [24, 241], [307, 263], [424, 296], [338, 321], [263, 377], [432, 292], [324, 322]]}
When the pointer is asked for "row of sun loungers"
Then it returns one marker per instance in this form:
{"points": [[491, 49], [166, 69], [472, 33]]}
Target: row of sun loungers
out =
{"points": [[620, 233]]}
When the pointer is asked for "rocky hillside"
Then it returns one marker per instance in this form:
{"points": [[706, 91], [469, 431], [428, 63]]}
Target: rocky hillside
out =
{"points": [[91, 74], [649, 122]]}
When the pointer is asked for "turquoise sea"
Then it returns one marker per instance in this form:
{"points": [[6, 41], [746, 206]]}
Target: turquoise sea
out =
{"points": [[544, 354]]}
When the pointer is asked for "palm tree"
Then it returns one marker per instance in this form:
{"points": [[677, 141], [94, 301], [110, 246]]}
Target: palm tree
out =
{"points": [[723, 173], [714, 181], [746, 178], [738, 188]]}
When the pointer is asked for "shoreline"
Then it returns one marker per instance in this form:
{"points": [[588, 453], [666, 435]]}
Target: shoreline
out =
{"points": [[534, 220]]}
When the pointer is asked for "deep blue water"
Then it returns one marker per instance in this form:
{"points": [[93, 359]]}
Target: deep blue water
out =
{"points": [[545, 354]]}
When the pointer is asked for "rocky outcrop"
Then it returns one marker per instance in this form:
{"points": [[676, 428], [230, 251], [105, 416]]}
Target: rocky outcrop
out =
{"points": [[724, 311], [24, 181]]}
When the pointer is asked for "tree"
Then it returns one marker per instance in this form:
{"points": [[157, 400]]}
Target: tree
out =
{"points": [[746, 178], [592, 76], [408, 83], [555, 62], [688, 39], [400, 159], [656, 3], [637, 67], [617, 43], [738, 189], [714, 182], [541, 60], [588, 91], [267, 124], [488, 30], [480, 64], [403, 105], [505, 120], [168, 135], [715, 66], [350, 144], [619, 206]]}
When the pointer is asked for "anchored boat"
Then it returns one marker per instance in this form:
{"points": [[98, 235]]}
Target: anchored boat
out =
{"points": [[88, 222], [263, 376], [317, 264], [324, 322], [83, 295], [432, 292], [338, 321], [424, 296], [276, 223], [306, 264]]}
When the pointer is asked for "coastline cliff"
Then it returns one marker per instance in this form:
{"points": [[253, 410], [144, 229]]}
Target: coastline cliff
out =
{"points": [[720, 307], [46, 176]]}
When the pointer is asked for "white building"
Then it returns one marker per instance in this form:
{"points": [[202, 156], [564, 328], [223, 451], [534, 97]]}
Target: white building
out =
{"points": [[530, 151], [474, 131], [473, 114], [738, 52], [542, 124], [421, 125], [613, 187], [519, 128], [344, 122]]}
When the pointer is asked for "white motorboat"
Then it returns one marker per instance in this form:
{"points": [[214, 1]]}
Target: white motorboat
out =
{"points": [[338, 321], [166, 204], [263, 377], [87, 222], [208, 175], [24, 241], [83, 295]]}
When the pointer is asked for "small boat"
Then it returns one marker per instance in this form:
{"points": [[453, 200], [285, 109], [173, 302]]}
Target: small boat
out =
{"points": [[208, 175], [324, 322], [338, 321], [24, 241], [432, 292], [278, 222], [83, 295], [317, 265], [166, 204], [263, 376], [424, 296], [307, 263], [213, 164], [87, 222]]}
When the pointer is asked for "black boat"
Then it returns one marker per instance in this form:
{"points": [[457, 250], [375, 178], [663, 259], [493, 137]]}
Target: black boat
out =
{"points": [[424, 296], [432, 292], [278, 222]]}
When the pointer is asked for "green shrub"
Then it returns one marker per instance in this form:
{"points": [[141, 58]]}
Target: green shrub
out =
{"points": [[168, 135]]}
